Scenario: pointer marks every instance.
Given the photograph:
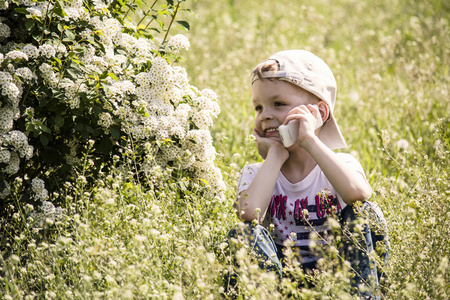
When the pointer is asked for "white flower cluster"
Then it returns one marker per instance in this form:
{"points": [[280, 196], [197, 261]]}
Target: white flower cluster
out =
{"points": [[14, 145], [46, 215], [48, 74], [5, 31], [105, 120], [16, 55], [47, 50], [156, 102], [6, 190], [38, 187], [178, 42], [122, 88], [31, 51]]}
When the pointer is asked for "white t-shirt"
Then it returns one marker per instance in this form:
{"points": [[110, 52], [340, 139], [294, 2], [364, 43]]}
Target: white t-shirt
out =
{"points": [[290, 201]]}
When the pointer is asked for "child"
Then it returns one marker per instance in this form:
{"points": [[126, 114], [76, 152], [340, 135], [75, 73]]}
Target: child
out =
{"points": [[297, 187]]}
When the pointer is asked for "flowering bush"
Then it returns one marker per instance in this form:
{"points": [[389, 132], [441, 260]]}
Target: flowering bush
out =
{"points": [[79, 77]]}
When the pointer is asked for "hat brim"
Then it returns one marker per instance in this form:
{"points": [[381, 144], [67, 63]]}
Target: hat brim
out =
{"points": [[331, 135]]}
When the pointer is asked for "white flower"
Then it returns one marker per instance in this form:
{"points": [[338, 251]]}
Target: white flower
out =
{"points": [[4, 5], [5, 31], [25, 73], [47, 51], [122, 87], [5, 156], [31, 51], [178, 42], [10, 90], [13, 165], [6, 119], [17, 139], [42, 195], [402, 144], [16, 54], [37, 185], [6, 190], [47, 208], [202, 119], [5, 77], [105, 120]]}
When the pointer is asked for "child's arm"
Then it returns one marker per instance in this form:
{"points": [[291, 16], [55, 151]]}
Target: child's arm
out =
{"points": [[349, 183], [259, 192]]}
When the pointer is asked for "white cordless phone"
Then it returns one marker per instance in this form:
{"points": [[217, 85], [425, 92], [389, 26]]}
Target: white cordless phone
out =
{"points": [[289, 132]]}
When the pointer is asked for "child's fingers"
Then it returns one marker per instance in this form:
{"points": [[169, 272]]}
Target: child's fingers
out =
{"points": [[299, 113]]}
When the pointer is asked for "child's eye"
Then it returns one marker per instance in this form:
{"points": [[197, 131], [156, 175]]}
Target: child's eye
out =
{"points": [[258, 108], [278, 104]]}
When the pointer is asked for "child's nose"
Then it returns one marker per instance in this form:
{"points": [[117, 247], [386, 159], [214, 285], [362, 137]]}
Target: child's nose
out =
{"points": [[266, 114]]}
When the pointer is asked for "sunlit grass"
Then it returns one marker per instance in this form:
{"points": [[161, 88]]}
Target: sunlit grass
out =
{"points": [[390, 59]]}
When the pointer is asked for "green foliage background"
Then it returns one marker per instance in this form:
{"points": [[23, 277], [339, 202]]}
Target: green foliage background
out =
{"points": [[391, 62]]}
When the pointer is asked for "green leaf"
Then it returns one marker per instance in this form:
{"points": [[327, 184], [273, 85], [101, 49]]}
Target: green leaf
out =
{"points": [[43, 139], [115, 132], [204, 181], [29, 24], [105, 146], [72, 72], [58, 60], [59, 121], [45, 128], [70, 36], [21, 10], [184, 24], [113, 76], [59, 9]]}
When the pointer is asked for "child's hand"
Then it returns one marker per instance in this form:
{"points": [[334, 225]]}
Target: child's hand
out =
{"points": [[305, 115], [265, 144]]}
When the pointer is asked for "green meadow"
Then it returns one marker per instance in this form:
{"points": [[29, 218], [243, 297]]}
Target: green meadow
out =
{"points": [[391, 62]]}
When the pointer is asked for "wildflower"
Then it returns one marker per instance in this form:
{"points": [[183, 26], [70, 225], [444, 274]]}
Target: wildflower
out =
{"points": [[385, 136], [47, 51], [13, 164], [105, 120], [6, 190], [402, 144], [179, 42], [37, 185], [10, 90], [5, 31], [305, 214], [25, 73], [16, 54], [31, 51]]}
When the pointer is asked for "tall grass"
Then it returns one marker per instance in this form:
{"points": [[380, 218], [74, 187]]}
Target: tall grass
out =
{"points": [[391, 62]]}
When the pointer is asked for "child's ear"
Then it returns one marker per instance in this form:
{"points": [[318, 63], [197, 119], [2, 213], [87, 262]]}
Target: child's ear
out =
{"points": [[324, 110]]}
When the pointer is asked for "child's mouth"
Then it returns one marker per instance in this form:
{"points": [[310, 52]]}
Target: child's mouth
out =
{"points": [[271, 131]]}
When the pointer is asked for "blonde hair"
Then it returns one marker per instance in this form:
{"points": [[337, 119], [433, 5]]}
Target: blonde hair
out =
{"points": [[268, 65]]}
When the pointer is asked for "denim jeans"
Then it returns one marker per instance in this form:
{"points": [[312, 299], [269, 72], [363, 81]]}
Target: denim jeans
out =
{"points": [[355, 247]]}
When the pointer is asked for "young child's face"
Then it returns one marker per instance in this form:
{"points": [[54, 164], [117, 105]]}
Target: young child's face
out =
{"points": [[272, 100]]}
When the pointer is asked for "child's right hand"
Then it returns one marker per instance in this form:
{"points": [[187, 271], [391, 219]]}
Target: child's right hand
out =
{"points": [[264, 145]]}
